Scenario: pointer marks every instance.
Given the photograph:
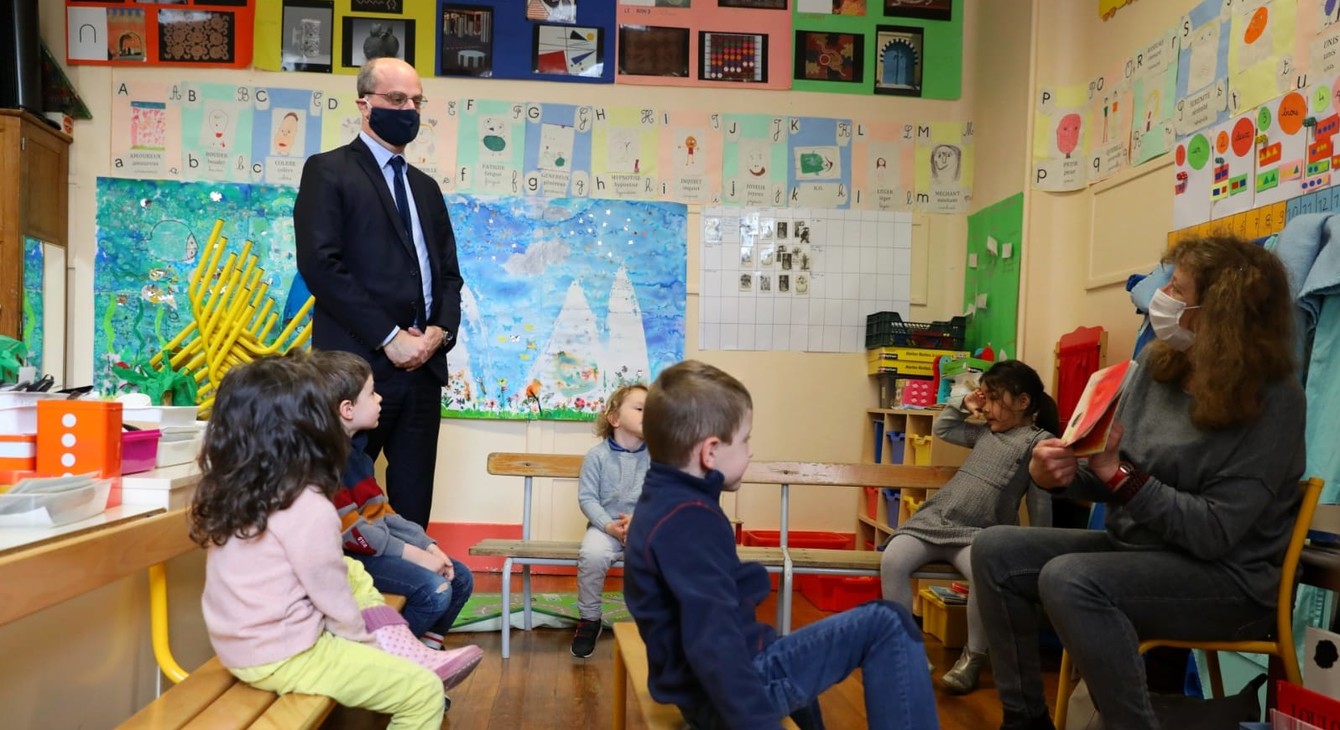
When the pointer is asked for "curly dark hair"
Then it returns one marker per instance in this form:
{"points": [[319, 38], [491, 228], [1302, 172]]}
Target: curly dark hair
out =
{"points": [[1244, 332], [1017, 378], [273, 433]]}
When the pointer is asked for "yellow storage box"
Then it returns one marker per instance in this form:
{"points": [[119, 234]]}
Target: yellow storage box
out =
{"points": [[948, 623]]}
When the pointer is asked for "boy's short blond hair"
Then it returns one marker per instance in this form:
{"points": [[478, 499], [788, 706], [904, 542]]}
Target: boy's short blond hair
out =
{"points": [[689, 402], [343, 374], [605, 429]]}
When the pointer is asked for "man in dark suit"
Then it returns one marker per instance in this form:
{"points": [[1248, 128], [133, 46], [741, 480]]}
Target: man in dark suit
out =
{"points": [[375, 247]]}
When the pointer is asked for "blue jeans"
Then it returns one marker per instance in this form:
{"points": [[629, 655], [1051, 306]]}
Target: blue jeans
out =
{"points": [[1102, 598], [428, 605], [879, 637]]}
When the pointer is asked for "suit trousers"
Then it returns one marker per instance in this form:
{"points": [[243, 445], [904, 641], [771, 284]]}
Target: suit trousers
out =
{"points": [[411, 415]]}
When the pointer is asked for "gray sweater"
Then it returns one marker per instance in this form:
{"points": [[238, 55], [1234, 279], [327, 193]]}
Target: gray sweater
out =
{"points": [[1228, 497], [610, 482], [986, 489]]}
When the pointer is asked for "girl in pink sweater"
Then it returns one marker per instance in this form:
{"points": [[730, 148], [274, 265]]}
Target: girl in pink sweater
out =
{"points": [[277, 603]]}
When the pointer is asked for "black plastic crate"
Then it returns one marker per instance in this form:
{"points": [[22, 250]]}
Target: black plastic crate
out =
{"points": [[887, 329]]}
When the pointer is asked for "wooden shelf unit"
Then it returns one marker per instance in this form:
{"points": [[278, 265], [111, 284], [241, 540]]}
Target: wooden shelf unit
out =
{"points": [[912, 423]]}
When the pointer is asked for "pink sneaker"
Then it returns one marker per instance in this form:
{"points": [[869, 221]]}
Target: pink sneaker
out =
{"points": [[458, 664]]}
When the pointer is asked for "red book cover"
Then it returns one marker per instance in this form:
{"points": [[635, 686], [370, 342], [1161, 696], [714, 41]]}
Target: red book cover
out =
{"points": [[1308, 706], [1097, 408]]}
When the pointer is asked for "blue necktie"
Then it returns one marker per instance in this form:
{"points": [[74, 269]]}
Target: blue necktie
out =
{"points": [[401, 199]]}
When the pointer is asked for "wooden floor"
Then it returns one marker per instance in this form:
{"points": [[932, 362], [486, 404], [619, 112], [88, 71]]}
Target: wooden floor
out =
{"points": [[542, 686]]}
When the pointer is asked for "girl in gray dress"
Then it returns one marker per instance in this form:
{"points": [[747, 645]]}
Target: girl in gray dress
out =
{"points": [[985, 491]]}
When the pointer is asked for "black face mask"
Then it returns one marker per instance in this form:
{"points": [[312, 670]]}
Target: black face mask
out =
{"points": [[396, 127]]}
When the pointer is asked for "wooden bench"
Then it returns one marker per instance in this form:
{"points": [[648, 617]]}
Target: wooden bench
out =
{"points": [[211, 697], [630, 668], [526, 552]]}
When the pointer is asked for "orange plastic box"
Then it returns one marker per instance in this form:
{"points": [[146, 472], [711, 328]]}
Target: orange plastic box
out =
{"points": [[78, 437], [18, 453]]}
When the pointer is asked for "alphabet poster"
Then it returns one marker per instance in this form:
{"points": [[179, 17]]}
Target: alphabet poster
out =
{"points": [[883, 156], [1153, 99], [944, 167], [217, 124], [1263, 33], [819, 163], [1202, 67], [625, 153], [490, 156], [691, 145], [286, 130], [1060, 160], [1109, 134], [558, 150], [433, 149], [754, 160], [146, 130]]}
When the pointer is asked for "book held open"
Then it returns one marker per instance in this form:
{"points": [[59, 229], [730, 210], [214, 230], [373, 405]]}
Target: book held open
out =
{"points": [[1087, 431]]}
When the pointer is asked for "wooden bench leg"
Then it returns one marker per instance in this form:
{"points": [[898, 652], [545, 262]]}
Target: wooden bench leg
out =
{"points": [[620, 690]]}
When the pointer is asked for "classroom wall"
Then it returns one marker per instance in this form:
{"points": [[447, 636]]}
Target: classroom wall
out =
{"points": [[1080, 246], [789, 388]]}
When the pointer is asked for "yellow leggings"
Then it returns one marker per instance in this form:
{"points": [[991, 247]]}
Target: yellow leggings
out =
{"points": [[357, 675]]}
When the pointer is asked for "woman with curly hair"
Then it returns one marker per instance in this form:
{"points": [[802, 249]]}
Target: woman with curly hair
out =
{"points": [[278, 602], [1201, 475]]}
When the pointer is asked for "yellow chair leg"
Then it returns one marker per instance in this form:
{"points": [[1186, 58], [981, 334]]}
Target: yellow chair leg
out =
{"points": [[1065, 684], [158, 624]]}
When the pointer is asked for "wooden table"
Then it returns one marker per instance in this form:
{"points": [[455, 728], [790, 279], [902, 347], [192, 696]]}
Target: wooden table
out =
{"points": [[128, 540]]}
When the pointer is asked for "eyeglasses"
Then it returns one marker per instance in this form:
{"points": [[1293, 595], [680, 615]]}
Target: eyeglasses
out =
{"points": [[398, 98]]}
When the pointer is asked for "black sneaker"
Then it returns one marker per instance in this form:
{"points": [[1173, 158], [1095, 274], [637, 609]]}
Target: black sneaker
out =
{"points": [[584, 639]]}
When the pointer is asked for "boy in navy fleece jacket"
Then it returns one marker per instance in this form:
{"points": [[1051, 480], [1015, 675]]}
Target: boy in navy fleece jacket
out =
{"points": [[695, 602]]}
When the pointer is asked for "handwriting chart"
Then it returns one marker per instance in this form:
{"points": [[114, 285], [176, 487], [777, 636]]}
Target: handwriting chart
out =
{"points": [[216, 140], [754, 160], [146, 130], [690, 152], [883, 156], [490, 153], [625, 152], [819, 163], [558, 150]]}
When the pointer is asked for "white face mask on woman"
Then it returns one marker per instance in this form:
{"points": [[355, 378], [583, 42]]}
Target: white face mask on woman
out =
{"points": [[1165, 315]]}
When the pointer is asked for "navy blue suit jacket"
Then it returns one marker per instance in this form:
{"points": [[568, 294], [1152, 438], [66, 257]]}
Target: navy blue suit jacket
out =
{"points": [[360, 263]]}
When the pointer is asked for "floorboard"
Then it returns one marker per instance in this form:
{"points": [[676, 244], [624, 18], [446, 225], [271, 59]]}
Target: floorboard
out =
{"points": [[543, 687]]}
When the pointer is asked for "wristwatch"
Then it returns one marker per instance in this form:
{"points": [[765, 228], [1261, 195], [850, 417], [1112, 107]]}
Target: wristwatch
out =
{"points": [[1124, 471]]}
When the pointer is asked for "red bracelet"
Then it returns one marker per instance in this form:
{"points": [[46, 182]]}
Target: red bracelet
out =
{"points": [[1132, 487]]}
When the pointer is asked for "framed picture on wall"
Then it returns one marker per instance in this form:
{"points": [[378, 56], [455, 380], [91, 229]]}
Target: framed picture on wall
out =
{"points": [[308, 33], [467, 41], [899, 60], [753, 4], [925, 9], [196, 36], [739, 57], [366, 38], [654, 51], [823, 56], [568, 50]]}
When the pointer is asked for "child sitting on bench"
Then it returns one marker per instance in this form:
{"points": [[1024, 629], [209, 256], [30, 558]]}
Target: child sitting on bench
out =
{"points": [[695, 603]]}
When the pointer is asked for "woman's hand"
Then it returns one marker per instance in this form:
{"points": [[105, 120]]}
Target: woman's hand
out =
{"points": [[1104, 465], [1053, 465]]}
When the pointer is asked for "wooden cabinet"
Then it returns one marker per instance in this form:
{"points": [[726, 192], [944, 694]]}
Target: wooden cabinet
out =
{"points": [[896, 435], [34, 201]]}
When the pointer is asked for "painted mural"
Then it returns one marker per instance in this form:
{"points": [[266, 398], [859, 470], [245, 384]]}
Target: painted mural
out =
{"points": [[565, 299]]}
